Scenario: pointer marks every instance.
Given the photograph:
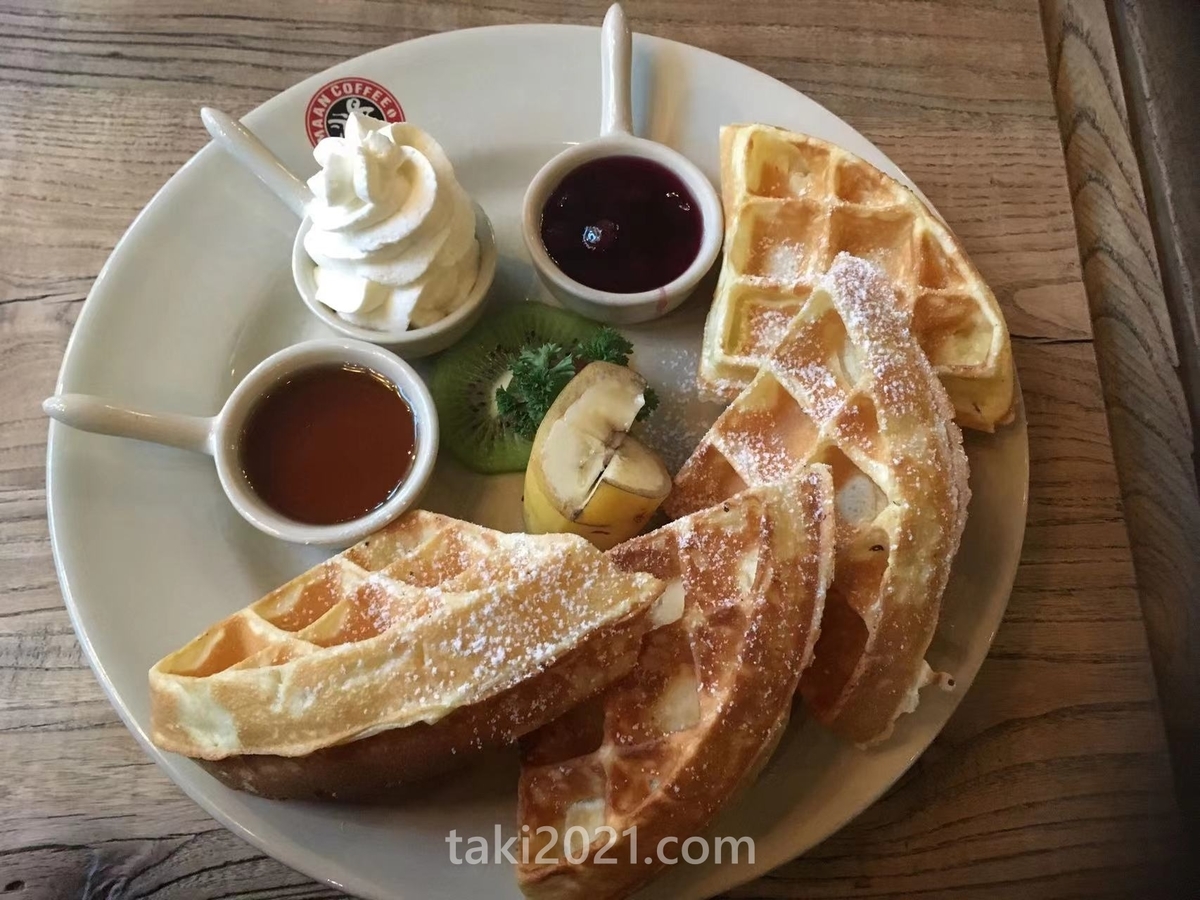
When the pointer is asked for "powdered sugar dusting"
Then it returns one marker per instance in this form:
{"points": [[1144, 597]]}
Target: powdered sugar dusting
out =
{"points": [[456, 616], [779, 262], [682, 417], [702, 704], [849, 205], [875, 411]]}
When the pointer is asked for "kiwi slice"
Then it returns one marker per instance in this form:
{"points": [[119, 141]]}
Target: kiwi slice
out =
{"points": [[466, 376]]}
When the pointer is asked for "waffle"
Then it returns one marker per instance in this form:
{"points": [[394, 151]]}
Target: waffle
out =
{"points": [[661, 751], [792, 203], [848, 386], [429, 641]]}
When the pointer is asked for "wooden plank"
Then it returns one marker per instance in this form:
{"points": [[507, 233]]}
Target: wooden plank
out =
{"points": [[1156, 45], [1152, 433]]}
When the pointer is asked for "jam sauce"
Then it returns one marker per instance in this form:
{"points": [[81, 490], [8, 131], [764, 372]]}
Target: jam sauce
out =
{"points": [[622, 224], [328, 445]]}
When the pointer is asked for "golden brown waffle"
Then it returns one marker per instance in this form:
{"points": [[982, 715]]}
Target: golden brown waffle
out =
{"points": [[792, 203], [666, 747], [848, 386], [430, 640]]}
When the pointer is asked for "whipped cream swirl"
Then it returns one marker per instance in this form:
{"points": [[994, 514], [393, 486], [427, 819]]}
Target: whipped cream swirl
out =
{"points": [[393, 232]]}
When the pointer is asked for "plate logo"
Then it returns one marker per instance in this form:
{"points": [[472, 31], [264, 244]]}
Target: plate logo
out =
{"points": [[332, 104]]}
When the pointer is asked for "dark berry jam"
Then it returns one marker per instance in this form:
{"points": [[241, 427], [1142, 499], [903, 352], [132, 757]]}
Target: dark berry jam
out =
{"points": [[622, 224]]}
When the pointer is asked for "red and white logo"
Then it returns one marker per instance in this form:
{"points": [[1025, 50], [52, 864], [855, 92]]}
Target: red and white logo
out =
{"points": [[332, 104]]}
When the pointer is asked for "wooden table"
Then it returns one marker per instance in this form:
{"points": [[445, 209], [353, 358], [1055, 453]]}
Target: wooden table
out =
{"points": [[1052, 780]]}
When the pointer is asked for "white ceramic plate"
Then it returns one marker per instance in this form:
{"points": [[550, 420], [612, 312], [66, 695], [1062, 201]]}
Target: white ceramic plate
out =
{"points": [[150, 553]]}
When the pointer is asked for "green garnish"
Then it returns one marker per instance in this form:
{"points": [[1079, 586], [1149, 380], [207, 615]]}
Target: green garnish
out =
{"points": [[650, 405], [606, 345], [540, 373]]}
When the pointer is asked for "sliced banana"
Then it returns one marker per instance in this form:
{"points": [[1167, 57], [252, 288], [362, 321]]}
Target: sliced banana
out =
{"points": [[586, 475]]}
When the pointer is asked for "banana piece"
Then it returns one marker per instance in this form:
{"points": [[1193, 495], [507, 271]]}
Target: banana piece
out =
{"points": [[586, 475]]}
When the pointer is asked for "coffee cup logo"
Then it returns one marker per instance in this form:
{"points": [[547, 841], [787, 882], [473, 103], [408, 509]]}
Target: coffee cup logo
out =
{"points": [[331, 106]]}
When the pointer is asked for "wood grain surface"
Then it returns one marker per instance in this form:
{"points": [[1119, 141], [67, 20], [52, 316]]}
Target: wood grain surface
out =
{"points": [[1140, 364], [1157, 46], [1052, 780]]}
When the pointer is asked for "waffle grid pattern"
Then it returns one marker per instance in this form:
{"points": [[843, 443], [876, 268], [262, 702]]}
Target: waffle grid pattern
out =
{"points": [[847, 386], [792, 204], [377, 585], [664, 748], [427, 617]]}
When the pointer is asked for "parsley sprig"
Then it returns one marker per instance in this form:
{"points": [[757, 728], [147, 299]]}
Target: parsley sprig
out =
{"points": [[540, 373]]}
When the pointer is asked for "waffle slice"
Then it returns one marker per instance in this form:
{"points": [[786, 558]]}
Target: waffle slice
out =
{"points": [[848, 386], [658, 753], [430, 641], [792, 203]]}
